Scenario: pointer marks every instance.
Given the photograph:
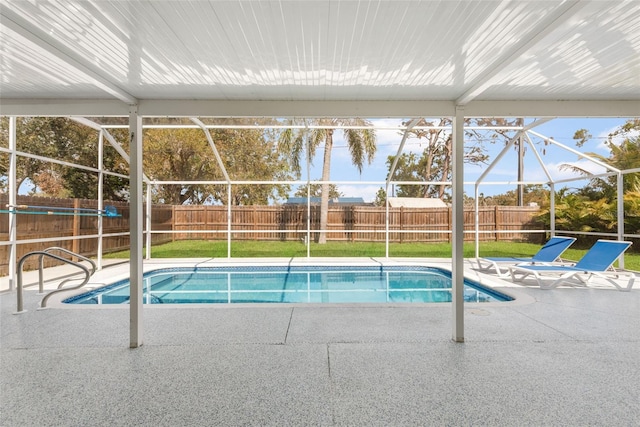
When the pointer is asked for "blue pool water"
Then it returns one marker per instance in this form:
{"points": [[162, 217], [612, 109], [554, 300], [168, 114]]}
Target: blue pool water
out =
{"points": [[322, 284]]}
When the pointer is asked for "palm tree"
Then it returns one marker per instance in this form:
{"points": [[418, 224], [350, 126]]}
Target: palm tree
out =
{"points": [[624, 156], [360, 141]]}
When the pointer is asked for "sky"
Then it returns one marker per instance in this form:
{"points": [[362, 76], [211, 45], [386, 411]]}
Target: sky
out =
{"points": [[561, 130], [504, 170]]}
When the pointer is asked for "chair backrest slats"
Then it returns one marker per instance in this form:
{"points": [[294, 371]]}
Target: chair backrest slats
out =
{"points": [[553, 249], [602, 255]]}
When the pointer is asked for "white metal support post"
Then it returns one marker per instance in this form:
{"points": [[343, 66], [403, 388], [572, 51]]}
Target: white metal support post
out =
{"points": [[552, 208], [100, 194], [135, 228], [457, 256], [13, 192], [620, 182], [308, 235], [476, 220], [147, 220], [386, 220], [229, 219]]}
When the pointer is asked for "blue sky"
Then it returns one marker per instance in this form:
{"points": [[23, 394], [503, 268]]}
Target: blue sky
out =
{"points": [[561, 130]]}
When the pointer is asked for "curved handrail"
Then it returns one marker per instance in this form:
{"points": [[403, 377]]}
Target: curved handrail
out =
{"points": [[67, 251], [20, 299], [43, 303]]}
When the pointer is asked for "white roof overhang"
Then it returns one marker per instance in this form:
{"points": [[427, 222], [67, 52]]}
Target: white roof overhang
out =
{"points": [[320, 58]]}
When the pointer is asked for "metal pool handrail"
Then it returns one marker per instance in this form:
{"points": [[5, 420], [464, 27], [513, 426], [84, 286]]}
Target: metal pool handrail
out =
{"points": [[67, 251], [20, 300]]}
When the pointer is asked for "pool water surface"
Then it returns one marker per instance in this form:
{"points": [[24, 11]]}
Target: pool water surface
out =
{"points": [[287, 284]]}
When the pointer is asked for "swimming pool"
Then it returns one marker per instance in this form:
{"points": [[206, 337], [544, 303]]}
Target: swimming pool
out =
{"points": [[289, 284]]}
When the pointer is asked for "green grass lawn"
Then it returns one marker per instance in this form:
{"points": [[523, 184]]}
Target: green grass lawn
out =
{"points": [[259, 249]]}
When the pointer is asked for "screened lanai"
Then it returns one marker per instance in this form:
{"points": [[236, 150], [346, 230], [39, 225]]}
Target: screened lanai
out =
{"points": [[287, 59]]}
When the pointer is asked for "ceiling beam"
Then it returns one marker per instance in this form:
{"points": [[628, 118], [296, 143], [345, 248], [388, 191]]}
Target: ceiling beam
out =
{"points": [[538, 108], [300, 109], [285, 109], [555, 19], [39, 107], [20, 26]]}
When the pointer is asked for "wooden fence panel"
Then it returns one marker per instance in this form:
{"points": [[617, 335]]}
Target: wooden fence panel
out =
{"points": [[353, 223], [511, 218], [345, 223], [369, 224], [41, 226]]}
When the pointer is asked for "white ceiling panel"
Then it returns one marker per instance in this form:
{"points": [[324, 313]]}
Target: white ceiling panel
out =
{"points": [[320, 50], [32, 72], [596, 55]]}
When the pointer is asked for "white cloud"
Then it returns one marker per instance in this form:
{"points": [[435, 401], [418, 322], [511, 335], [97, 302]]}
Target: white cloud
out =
{"points": [[603, 137], [367, 192], [558, 172]]}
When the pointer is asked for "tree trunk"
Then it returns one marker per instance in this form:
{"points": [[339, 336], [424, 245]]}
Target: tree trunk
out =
{"points": [[324, 199], [428, 175], [446, 166]]}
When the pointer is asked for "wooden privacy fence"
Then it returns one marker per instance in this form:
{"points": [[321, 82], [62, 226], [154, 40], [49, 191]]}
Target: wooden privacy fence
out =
{"points": [[287, 222], [350, 223], [38, 226]]}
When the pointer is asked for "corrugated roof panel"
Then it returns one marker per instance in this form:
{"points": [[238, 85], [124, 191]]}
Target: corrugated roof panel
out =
{"points": [[47, 76], [328, 50], [77, 28], [593, 56]]}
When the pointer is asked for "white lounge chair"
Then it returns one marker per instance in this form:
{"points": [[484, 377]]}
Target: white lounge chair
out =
{"points": [[596, 262], [550, 252]]}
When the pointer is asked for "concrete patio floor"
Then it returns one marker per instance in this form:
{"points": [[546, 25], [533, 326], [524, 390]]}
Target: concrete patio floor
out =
{"points": [[568, 356]]}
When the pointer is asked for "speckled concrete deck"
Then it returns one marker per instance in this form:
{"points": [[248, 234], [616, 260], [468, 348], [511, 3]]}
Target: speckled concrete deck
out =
{"points": [[568, 356]]}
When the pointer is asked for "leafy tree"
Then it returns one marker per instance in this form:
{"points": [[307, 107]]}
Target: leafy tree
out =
{"points": [[381, 198], [575, 212], [632, 213], [532, 194], [63, 139], [361, 144], [623, 156], [316, 191], [27, 168], [179, 155], [251, 155], [595, 207], [185, 155], [182, 154], [409, 168], [434, 165], [581, 136]]}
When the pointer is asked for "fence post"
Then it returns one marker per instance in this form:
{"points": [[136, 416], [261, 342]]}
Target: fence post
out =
{"points": [[255, 223], [497, 222], [449, 225], [206, 222], [353, 222], [173, 222], [75, 245], [401, 223]]}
